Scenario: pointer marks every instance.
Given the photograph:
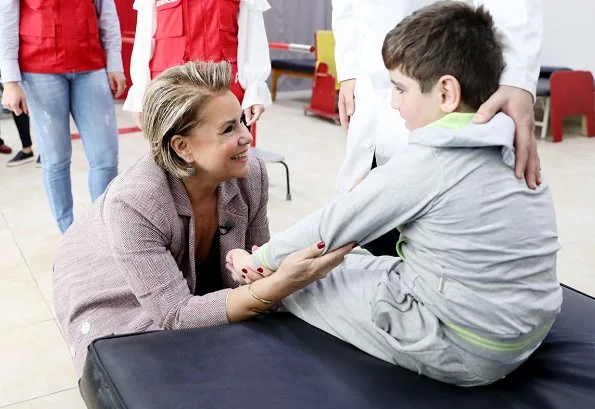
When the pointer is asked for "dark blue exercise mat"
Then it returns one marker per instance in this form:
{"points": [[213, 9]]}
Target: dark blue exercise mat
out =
{"points": [[281, 362]]}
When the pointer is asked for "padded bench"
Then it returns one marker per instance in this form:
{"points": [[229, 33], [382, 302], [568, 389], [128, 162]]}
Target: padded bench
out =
{"points": [[303, 68], [278, 361]]}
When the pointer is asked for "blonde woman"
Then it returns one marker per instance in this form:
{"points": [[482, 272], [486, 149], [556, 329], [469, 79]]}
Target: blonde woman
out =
{"points": [[150, 254]]}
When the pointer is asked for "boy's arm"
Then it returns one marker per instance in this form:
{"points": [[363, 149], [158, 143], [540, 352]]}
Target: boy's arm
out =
{"points": [[391, 195], [520, 23]]}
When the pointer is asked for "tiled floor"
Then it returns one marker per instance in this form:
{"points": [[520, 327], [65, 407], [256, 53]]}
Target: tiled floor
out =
{"points": [[35, 367]]}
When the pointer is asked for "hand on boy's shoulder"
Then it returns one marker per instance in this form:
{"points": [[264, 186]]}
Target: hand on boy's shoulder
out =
{"points": [[518, 104]]}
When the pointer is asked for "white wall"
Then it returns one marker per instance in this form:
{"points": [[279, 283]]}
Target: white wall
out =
{"points": [[569, 34]]}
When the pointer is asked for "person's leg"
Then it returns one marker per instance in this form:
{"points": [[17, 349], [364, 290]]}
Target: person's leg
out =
{"points": [[93, 111], [49, 106], [4, 148], [364, 303], [22, 124], [25, 155]]}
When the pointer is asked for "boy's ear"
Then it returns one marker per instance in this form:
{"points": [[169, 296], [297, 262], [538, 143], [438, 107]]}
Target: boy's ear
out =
{"points": [[449, 90]]}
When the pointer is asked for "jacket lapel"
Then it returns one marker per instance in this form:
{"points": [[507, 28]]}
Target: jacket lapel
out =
{"points": [[233, 222], [184, 209], [233, 214]]}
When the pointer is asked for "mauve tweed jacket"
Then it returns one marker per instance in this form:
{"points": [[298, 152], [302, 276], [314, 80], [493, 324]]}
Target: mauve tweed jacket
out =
{"points": [[128, 265]]}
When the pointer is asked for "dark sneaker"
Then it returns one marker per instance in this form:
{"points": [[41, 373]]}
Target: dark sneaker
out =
{"points": [[5, 149], [38, 162], [20, 159]]}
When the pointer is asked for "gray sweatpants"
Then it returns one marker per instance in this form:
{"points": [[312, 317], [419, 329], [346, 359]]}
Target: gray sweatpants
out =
{"points": [[364, 303]]}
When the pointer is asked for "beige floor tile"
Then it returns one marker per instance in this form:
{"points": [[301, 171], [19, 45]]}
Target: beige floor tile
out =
{"points": [[45, 284], [21, 302], [11, 258], [35, 363], [39, 251], [69, 399]]}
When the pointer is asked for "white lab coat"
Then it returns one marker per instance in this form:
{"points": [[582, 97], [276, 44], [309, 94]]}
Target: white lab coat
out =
{"points": [[254, 62], [360, 27]]}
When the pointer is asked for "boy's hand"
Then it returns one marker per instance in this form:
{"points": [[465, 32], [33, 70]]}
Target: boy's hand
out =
{"points": [[518, 104], [346, 102], [239, 263], [13, 98], [117, 83]]}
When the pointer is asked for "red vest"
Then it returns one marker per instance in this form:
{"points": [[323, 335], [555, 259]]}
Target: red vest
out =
{"points": [[59, 36], [196, 30]]}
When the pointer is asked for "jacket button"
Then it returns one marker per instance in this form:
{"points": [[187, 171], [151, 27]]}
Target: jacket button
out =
{"points": [[85, 328], [72, 351]]}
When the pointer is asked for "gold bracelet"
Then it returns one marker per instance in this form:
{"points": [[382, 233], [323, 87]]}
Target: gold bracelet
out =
{"points": [[267, 302]]}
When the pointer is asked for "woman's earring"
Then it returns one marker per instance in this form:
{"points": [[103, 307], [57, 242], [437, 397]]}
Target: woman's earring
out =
{"points": [[191, 169]]}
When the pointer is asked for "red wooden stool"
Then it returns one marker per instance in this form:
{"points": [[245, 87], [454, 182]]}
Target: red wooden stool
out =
{"points": [[572, 93]]}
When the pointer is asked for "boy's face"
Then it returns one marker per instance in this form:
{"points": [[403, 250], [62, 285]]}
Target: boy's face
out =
{"points": [[416, 108]]}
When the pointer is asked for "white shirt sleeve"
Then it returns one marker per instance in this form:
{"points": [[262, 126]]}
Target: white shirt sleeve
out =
{"points": [[9, 40], [142, 52], [254, 61], [520, 24], [346, 38]]}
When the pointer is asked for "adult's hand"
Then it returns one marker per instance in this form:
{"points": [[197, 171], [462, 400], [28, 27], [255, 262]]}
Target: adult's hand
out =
{"points": [[305, 266], [117, 83], [518, 104], [13, 98], [346, 102], [253, 113]]}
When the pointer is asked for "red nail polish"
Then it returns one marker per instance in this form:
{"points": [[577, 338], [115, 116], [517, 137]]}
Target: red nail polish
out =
{"points": [[243, 276], [320, 245], [260, 270], [244, 271]]}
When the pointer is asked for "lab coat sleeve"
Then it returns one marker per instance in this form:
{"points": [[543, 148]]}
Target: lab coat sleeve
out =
{"points": [[346, 39], [254, 61], [142, 52], [520, 25]]}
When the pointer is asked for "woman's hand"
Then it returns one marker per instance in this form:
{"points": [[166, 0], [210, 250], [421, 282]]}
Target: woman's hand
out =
{"points": [[297, 271], [308, 265]]}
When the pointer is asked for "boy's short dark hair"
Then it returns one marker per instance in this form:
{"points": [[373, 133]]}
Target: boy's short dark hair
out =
{"points": [[448, 38]]}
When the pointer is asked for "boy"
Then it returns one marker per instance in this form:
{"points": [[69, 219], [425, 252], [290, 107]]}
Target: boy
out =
{"points": [[474, 291]]}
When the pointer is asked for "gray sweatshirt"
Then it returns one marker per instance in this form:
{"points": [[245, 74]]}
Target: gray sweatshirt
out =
{"points": [[478, 246]]}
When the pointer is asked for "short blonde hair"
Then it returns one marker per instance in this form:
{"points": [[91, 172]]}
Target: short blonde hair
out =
{"points": [[174, 104]]}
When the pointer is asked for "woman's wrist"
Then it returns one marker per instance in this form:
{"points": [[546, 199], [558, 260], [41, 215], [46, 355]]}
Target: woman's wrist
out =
{"points": [[274, 287], [245, 302]]}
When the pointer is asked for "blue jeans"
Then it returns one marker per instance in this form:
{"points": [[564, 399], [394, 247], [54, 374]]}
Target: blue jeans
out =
{"points": [[87, 96]]}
